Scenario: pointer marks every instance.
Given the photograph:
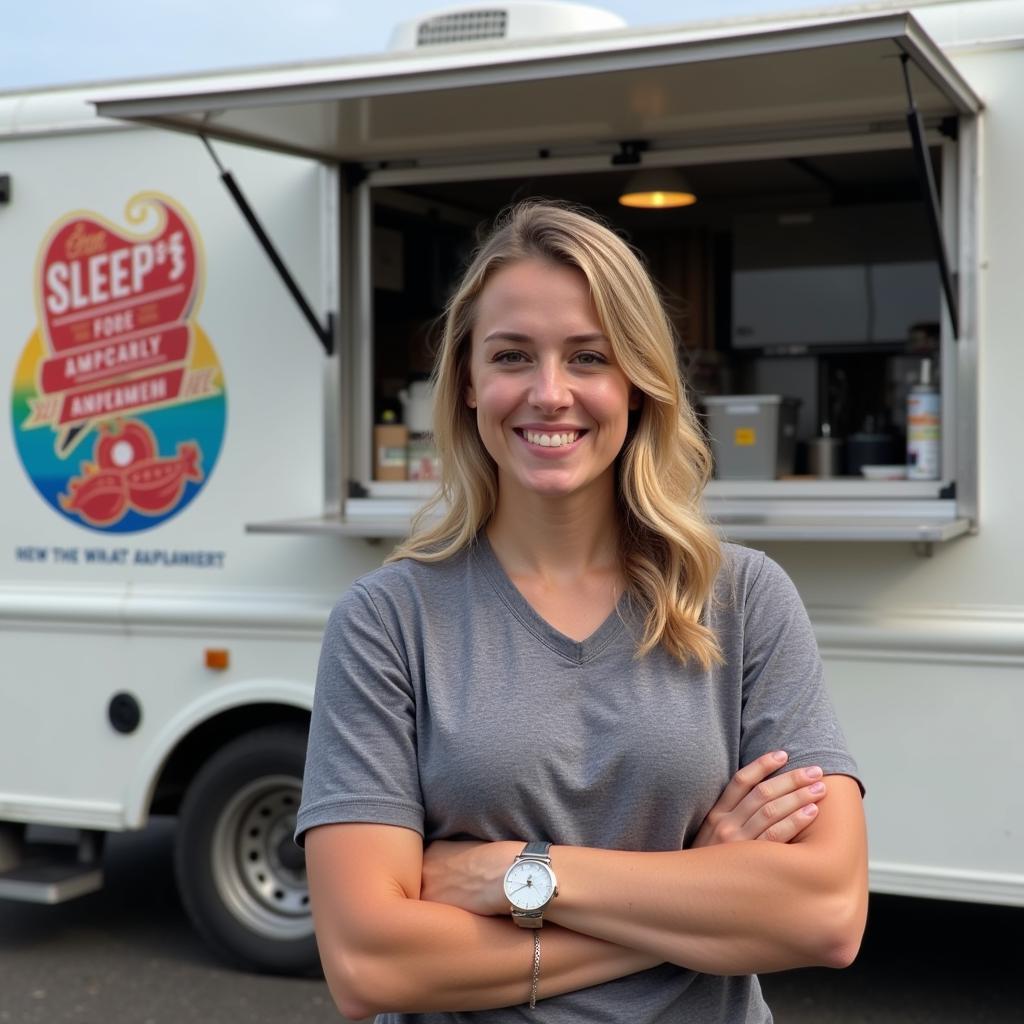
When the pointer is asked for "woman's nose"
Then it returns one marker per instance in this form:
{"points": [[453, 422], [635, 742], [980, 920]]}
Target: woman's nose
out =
{"points": [[550, 386]]}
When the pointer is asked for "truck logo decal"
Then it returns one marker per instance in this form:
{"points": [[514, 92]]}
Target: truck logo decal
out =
{"points": [[119, 404]]}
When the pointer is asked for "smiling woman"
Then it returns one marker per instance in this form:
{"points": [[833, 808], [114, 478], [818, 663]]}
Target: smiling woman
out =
{"points": [[567, 704], [557, 327]]}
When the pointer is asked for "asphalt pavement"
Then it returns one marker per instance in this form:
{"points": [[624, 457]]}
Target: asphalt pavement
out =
{"points": [[127, 955]]}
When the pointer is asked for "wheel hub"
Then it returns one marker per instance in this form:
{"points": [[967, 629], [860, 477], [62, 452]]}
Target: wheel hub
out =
{"points": [[259, 871]]}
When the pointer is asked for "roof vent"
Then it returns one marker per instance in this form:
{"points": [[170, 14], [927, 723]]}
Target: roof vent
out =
{"points": [[462, 27], [528, 19]]}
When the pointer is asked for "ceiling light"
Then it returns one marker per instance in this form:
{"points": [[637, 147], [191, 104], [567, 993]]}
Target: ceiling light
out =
{"points": [[657, 188]]}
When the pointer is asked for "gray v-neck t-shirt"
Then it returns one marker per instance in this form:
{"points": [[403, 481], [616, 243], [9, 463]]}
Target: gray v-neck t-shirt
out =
{"points": [[445, 704]]}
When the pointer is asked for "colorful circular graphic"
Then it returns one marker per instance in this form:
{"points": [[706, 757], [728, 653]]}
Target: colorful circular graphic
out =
{"points": [[119, 405]]}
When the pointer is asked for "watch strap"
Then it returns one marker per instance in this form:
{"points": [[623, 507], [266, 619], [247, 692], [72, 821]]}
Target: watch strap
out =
{"points": [[528, 918], [536, 849]]}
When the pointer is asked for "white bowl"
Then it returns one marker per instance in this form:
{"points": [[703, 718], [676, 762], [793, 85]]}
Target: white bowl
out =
{"points": [[884, 472]]}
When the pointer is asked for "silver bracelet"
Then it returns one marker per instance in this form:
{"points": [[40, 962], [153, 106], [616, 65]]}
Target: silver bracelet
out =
{"points": [[536, 969]]}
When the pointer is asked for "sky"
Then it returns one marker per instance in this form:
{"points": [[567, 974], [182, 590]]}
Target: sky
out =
{"points": [[59, 42]]}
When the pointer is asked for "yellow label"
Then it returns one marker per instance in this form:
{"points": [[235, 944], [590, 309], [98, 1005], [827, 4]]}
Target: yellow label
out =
{"points": [[744, 437]]}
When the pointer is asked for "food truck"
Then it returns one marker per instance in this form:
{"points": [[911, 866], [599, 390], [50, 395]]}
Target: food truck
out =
{"points": [[219, 298]]}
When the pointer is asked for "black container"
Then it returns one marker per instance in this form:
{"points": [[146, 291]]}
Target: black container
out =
{"points": [[871, 450]]}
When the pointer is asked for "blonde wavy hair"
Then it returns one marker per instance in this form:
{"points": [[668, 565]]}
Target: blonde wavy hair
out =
{"points": [[670, 553]]}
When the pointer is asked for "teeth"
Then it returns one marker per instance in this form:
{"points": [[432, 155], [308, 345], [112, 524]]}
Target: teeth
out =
{"points": [[551, 440]]}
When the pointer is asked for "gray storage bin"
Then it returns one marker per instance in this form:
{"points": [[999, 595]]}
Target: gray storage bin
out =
{"points": [[753, 437]]}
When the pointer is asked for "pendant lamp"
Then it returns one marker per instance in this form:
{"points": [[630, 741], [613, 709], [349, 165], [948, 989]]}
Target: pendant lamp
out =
{"points": [[657, 188]]}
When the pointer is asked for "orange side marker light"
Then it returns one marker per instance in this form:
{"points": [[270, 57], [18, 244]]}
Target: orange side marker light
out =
{"points": [[217, 658]]}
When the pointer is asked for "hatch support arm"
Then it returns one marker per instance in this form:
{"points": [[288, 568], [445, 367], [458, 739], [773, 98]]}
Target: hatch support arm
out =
{"points": [[931, 198], [325, 333]]}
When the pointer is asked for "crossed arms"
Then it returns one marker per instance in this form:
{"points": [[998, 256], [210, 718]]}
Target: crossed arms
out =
{"points": [[401, 927]]}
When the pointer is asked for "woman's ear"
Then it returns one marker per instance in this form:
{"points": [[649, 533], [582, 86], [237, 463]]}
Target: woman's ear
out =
{"points": [[470, 396], [636, 398]]}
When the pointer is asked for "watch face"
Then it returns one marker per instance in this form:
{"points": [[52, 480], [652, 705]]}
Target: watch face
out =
{"points": [[529, 884]]}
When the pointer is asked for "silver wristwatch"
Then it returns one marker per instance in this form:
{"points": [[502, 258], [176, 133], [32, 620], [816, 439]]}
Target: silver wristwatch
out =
{"points": [[530, 885]]}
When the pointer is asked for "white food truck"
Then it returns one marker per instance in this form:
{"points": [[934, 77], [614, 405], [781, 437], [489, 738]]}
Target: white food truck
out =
{"points": [[188, 476]]}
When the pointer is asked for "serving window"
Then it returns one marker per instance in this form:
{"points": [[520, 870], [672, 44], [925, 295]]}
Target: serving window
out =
{"points": [[805, 296]]}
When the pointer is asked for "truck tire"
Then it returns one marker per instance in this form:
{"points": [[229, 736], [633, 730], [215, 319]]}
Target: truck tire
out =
{"points": [[241, 877]]}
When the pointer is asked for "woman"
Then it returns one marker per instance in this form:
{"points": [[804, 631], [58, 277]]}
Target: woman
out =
{"points": [[571, 657]]}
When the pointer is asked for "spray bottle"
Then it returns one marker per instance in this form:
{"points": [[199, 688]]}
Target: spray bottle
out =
{"points": [[924, 427]]}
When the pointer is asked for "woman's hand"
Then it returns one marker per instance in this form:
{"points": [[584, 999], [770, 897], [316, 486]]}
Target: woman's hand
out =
{"points": [[468, 874], [753, 806]]}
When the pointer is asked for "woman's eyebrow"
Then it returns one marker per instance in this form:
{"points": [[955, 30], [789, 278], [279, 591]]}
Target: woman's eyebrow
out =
{"points": [[573, 339]]}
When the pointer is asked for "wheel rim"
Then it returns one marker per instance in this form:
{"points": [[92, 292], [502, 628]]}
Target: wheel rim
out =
{"points": [[257, 875]]}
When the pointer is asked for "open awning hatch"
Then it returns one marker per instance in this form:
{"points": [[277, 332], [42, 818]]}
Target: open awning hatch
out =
{"points": [[594, 90]]}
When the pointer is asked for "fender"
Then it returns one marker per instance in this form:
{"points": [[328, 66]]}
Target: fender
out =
{"points": [[139, 792]]}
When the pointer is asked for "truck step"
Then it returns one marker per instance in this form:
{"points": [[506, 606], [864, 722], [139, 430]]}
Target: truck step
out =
{"points": [[50, 873]]}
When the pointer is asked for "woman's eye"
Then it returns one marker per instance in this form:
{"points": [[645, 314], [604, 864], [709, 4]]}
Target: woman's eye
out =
{"points": [[590, 358], [511, 356]]}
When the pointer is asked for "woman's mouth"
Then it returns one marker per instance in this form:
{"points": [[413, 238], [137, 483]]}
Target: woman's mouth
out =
{"points": [[556, 439]]}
